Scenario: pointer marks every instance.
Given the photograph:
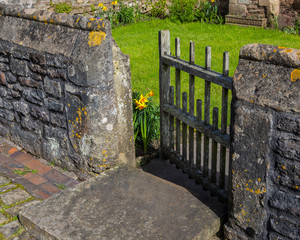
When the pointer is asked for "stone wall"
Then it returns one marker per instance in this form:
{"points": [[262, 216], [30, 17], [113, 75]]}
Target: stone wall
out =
{"points": [[65, 90], [254, 8], [265, 148], [289, 10]]}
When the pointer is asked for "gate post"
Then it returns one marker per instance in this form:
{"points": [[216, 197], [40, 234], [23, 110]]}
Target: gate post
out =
{"points": [[265, 145], [164, 85]]}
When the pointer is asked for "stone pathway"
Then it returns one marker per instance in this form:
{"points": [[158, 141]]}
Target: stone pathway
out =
{"points": [[24, 180]]}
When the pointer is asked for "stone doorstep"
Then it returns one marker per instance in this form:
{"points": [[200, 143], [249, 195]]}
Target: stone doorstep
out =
{"points": [[123, 203]]}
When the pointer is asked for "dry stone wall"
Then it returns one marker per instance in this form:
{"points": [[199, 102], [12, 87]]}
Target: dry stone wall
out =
{"points": [[264, 198], [65, 90]]}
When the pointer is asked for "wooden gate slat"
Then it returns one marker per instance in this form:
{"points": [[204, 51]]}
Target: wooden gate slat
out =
{"points": [[184, 128], [171, 102], [191, 103], [199, 136], [178, 93], [214, 153]]}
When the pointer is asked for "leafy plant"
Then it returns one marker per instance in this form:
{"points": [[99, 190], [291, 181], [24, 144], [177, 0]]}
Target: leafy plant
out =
{"points": [[61, 186], [159, 9], [182, 10], [125, 14], [63, 7], [208, 12], [145, 119], [24, 171], [93, 8]]}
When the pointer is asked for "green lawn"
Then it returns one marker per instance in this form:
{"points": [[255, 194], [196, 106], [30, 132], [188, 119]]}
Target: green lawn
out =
{"points": [[140, 41]]}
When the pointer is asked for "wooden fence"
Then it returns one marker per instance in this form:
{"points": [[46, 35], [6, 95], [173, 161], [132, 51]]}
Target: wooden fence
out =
{"points": [[202, 154]]}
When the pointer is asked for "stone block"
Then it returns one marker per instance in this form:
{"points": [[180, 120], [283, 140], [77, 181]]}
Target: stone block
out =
{"points": [[237, 9], [19, 67], [58, 120], [288, 123], [37, 69], [7, 114], [4, 67], [33, 96], [53, 104], [250, 161], [264, 3], [57, 61], [29, 124], [10, 77], [40, 113], [28, 82], [57, 73], [284, 201], [266, 85], [246, 2], [287, 146], [38, 58], [2, 78], [3, 92], [52, 87], [21, 107], [285, 227]]}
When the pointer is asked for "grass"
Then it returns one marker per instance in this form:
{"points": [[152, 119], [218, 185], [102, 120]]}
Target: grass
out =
{"points": [[140, 41]]}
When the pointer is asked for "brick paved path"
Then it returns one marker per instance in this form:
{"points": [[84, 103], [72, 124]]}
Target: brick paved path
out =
{"points": [[40, 181]]}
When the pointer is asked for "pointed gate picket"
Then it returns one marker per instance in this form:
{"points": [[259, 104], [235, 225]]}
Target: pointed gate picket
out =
{"points": [[204, 156]]}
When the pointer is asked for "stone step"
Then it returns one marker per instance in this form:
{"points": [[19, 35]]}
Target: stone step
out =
{"points": [[123, 203]]}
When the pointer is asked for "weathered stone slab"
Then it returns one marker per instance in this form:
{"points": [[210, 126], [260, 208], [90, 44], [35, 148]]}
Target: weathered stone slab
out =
{"points": [[124, 203], [14, 196]]}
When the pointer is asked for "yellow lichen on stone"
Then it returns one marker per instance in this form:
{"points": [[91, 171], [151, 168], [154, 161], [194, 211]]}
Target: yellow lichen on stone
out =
{"points": [[96, 38], [77, 20], [34, 17], [92, 19], [298, 54], [295, 75], [89, 24], [281, 47], [289, 50]]}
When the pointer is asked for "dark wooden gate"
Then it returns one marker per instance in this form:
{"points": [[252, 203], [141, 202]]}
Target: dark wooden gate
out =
{"points": [[194, 144]]}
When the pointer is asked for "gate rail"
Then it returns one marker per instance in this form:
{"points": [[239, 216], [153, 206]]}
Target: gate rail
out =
{"points": [[181, 152]]}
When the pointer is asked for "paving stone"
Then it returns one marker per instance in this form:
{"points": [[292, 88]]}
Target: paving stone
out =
{"points": [[3, 219], [3, 180], [13, 165], [50, 187], [21, 157], [41, 194], [36, 179], [4, 159], [57, 177], [7, 187], [34, 163], [14, 211], [123, 203], [12, 150], [14, 196], [11, 228]]}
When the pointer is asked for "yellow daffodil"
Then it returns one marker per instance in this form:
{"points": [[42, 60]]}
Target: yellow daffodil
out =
{"points": [[114, 3], [100, 5], [212, 1], [150, 94], [104, 8]]}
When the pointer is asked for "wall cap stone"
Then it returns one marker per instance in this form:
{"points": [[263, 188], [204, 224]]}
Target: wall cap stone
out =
{"points": [[47, 17], [276, 55]]}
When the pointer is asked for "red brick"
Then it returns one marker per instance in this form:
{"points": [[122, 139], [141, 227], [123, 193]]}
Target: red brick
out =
{"points": [[5, 147], [4, 159], [13, 165], [21, 157], [36, 179], [38, 165], [42, 194], [50, 188], [12, 150], [57, 177]]}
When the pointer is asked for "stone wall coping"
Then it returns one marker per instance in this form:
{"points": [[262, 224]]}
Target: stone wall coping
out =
{"points": [[48, 17], [277, 55]]}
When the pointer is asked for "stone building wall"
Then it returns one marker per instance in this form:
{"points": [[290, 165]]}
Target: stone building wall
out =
{"points": [[289, 10], [265, 148], [65, 90]]}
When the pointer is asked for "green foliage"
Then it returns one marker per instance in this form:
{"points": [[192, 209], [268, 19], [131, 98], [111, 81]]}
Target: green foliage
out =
{"points": [[159, 9], [145, 119], [93, 8], [182, 10], [63, 7], [61, 186], [125, 15], [24, 171], [208, 12]]}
